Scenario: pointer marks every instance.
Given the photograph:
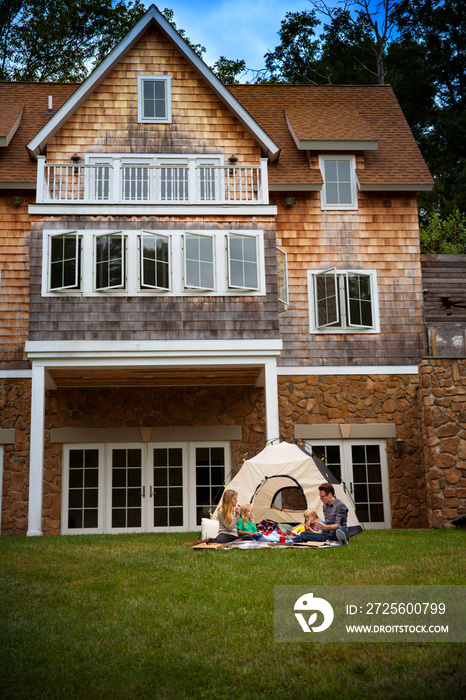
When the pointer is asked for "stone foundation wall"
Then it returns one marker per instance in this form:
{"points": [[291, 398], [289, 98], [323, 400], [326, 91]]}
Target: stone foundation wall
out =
{"points": [[15, 412], [366, 399], [443, 404], [157, 407]]}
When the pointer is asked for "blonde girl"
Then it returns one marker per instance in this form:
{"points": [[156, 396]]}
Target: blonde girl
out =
{"points": [[228, 516], [246, 524]]}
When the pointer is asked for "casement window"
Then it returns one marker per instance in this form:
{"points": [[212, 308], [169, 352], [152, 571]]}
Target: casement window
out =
{"points": [[199, 271], [243, 270], [163, 262], [109, 261], [155, 261], [154, 99], [343, 301], [339, 190], [282, 279], [65, 261]]}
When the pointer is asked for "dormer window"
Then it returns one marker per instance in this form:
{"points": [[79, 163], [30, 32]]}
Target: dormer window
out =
{"points": [[154, 99], [340, 189]]}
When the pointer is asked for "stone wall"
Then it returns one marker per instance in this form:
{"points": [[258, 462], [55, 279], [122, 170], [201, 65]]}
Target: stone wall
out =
{"points": [[15, 412], [363, 399], [443, 404], [157, 407]]}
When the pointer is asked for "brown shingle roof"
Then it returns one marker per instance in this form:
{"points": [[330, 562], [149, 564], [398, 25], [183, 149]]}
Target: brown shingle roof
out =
{"points": [[322, 112], [326, 123], [397, 161], [15, 163]]}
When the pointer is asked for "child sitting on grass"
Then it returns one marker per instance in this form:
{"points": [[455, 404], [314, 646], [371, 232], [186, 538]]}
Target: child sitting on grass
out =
{"points": [[246, 525], [310, 518]]}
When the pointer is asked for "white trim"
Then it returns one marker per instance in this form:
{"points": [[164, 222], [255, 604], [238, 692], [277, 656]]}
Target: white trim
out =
{"points": [[131, 283], [353, 184], [166, 80], [272, 419], [326, 370], [337, 330], [15, 373], [108, 209], [178, 352], [36, 452], [38, 144]]}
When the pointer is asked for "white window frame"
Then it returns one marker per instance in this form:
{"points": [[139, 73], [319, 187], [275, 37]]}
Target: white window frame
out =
{"points": [[166, 80], [133, 264], [231, 284], [200, 286], [282, 286], [105, 484], [332, 206], [347, 465], [111, 234], [143, 284], [346, 326], [65, 529], [78, 261]]}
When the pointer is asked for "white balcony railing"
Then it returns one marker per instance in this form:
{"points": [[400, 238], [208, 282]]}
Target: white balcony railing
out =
{"points": [[120, 182]]}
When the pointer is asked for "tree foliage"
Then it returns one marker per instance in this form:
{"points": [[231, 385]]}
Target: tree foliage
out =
{"points": [[60, 40], [446, 235]]}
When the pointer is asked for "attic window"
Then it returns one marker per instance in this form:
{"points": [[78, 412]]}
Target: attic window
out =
{"points": [[339, 175], [154, 99]]}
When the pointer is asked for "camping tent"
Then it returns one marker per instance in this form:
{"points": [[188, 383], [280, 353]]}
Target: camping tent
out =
{"points": [[265, 477]]}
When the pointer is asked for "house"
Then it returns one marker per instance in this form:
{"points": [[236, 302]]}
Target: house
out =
{"points": [[189, 271]]}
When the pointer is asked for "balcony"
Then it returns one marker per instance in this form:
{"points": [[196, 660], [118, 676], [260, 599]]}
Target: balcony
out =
{"points": [[125, 181]]}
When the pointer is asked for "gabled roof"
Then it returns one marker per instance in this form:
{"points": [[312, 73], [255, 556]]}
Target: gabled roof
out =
{"points": [[29, 101], [360, 113], [152, 16]]}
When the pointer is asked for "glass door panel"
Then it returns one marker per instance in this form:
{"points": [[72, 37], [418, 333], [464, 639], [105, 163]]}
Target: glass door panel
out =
{"points": [[367, 479], [126, 488], [83, 489], [168, 497], [210, 477], [361, 467]]}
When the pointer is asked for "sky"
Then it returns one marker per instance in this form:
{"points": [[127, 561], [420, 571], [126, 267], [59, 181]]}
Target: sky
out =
{"points": [[233, 28]]}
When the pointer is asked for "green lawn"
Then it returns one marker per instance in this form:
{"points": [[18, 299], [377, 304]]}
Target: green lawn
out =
{"points": [[141, 616]]}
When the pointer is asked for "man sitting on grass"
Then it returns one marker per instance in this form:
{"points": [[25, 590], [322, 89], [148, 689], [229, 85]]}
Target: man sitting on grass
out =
{"points": [[335, 514]]}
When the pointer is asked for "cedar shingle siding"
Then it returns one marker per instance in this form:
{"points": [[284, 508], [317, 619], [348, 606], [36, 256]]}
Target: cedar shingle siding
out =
{"points": [[230, 368]]}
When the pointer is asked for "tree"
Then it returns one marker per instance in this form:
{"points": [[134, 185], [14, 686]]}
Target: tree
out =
{"points": [[60, 40], [444, 235], [227, 70], [439, 29], [295, 59]]}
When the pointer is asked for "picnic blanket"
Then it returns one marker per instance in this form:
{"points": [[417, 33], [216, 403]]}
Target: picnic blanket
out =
{"points": [[251, 544]]}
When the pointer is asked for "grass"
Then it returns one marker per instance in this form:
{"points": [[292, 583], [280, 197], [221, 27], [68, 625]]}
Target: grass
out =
{"points": [[140, 616]]}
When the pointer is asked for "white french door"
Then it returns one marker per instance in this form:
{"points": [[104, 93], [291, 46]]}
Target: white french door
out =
{"points": [[362, 466], [154, 487]]}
